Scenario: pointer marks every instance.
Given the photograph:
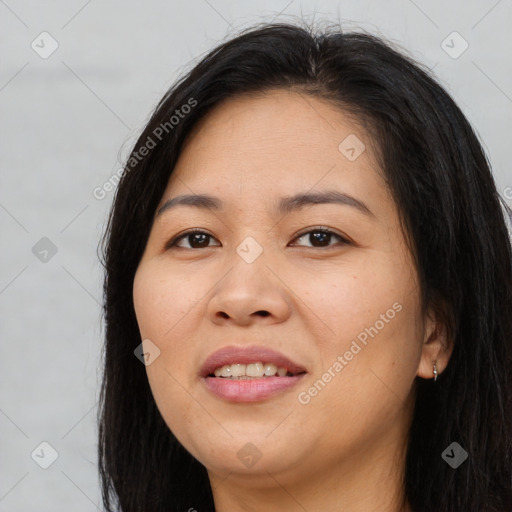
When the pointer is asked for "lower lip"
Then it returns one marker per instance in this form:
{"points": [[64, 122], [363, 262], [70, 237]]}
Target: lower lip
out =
{"points": [[250, 390]]}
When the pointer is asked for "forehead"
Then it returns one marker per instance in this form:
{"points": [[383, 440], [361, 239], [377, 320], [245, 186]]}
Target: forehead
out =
{"points": [[275, 142], [277, 121]]}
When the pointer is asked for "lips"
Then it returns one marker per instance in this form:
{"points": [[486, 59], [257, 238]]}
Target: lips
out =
{"points": [[250, 389], [247, 355]]}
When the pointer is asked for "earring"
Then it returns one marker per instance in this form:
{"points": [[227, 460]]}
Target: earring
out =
{"points": [[435, 371]]}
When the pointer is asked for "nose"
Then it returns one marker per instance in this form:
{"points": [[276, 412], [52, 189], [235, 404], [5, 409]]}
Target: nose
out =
{"points": [[249, 293]]}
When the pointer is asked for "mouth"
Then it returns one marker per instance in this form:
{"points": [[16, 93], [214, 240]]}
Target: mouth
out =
{"points": [[257, 370], [249, 374]]}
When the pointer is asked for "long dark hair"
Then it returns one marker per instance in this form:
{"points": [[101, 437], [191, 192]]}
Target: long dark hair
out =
{"points": [[453, 218]]}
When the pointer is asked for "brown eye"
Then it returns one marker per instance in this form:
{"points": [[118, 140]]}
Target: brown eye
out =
{"points": [[196, 240], [321, 237]]}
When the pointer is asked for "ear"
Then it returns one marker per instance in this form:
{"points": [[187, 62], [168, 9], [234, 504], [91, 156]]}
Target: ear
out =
{"points": [[437, 347]]}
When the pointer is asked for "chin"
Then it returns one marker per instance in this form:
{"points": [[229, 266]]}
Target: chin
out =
{"points": [[252, 453]]}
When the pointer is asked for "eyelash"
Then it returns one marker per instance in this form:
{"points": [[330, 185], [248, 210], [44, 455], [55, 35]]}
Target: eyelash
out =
{"points": [[172, 244]]}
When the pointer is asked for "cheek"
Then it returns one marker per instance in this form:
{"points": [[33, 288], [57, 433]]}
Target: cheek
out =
{"points": [[163, 303], [370, 317], [170, 307], [346, 302], [368, 362], [162, 309], [162, 299]]}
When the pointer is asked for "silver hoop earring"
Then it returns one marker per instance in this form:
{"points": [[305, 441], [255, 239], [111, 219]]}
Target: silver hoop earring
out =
{"points": [[435, 371]]}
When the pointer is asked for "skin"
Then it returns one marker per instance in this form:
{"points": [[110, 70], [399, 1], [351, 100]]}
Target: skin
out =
{"points": [[346, 445]]}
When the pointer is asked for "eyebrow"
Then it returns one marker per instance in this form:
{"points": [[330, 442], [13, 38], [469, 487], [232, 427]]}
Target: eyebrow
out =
{"points": [[285, 205]]}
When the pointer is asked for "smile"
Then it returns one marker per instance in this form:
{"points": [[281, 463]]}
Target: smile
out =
{"points": [[249, 374]]}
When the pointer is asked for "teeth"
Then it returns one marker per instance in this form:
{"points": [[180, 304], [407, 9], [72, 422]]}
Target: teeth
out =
{"points": [[237, 370], [270, 369], [252, 370]]}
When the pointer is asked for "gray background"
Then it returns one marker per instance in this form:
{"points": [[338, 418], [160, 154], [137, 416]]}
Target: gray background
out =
{"points": [[66, 124]]}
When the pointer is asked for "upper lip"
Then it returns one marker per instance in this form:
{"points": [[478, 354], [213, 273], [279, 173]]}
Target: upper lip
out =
{"points": [[246, 355]]}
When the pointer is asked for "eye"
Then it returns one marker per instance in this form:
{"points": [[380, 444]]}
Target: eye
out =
{"points": [[197, 240], [321, 236]]}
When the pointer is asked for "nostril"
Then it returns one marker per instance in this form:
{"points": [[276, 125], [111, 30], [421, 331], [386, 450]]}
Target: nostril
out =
{"points": [[263, 313]]}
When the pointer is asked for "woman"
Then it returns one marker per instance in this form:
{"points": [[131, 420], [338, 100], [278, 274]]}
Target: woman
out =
{"points": [[308, 253]]}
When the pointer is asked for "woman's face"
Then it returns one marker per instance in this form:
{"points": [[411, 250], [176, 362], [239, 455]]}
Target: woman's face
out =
{"points": [[325, 288]]}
